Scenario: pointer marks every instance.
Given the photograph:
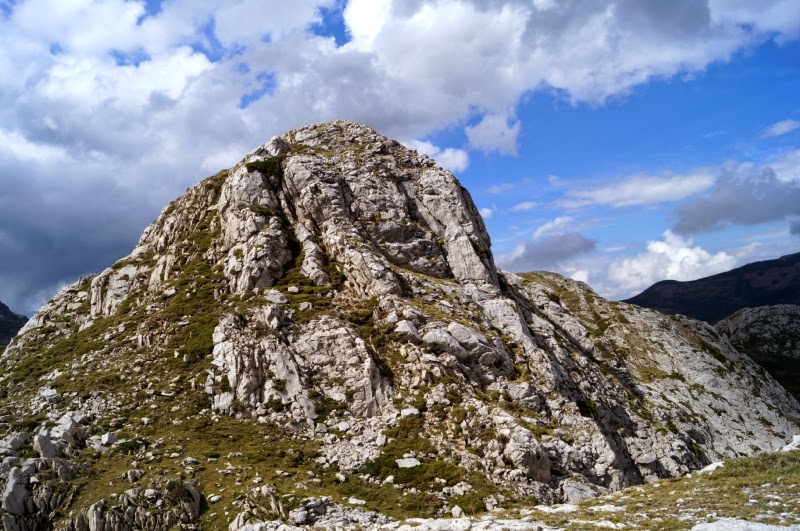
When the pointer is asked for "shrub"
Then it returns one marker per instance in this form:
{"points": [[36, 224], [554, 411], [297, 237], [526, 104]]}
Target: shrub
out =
{"points": [[268, 166]]}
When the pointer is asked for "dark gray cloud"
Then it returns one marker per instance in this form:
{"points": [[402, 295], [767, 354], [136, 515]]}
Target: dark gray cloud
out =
{"points": [[794, 227], [740, 200], [677, 18], [51, 233], [547, 252]]}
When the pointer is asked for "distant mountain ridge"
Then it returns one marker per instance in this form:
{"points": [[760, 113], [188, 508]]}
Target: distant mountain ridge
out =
{"points": [[713, 298], [10, 323]]}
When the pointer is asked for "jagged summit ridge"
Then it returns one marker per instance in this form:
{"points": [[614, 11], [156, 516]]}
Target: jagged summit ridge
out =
{"points": [[336, 291], [365, 199]]}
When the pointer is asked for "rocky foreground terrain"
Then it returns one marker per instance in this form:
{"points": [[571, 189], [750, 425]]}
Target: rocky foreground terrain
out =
{"points": [[756, 306], [10, 323], [319, 335]]}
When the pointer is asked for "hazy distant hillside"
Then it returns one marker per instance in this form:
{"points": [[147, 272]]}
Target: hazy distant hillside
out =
{"points": [[10, 323], [713, 298]]}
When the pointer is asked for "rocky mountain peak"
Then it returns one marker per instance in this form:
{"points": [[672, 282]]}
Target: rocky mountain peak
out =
{"points": [[340, 189], [327, 314]]}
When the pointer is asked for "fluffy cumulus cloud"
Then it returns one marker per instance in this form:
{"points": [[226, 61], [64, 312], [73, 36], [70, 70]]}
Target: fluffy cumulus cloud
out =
{"points": [[455, 160], [674, 258], [494, 133], [108, 108]]}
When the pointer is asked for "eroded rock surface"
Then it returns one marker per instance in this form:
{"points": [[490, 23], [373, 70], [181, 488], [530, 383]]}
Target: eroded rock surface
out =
{"points": [[326, 317]]}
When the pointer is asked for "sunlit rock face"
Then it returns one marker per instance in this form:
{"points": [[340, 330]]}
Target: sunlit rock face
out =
{"points": [[327, 315]]}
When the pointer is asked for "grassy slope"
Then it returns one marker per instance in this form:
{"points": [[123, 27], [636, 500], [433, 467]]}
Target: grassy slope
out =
{"points": [[764, 488]]}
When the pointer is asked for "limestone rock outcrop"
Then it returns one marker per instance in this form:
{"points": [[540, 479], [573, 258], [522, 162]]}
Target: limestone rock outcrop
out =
{"points": [[770, 335], [325, 318], [765, 330]]}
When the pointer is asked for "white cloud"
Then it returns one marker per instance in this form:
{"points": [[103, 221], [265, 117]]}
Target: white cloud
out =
{"points": [[553, 227], [500, 188], [524, 206], [452, 159], [781, 128], [581, 275], [486, 213], [642, 190], [143, 106], [787, 167], [365, 19], [672, 258], [455, 160], [494, 133]]}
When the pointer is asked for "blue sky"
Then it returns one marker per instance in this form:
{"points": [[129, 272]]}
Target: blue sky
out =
{"points": [[620, 142]]}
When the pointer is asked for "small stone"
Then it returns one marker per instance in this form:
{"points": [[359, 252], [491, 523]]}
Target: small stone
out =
{"points": [[147, 421], [45, 447], [275, 296], [108, 438], [298, 517], [293, 289], [408, 330], [340, 477], [304, 306], [408, 462], [456, 511], [409, 412], [214, 498], [356, 501]]}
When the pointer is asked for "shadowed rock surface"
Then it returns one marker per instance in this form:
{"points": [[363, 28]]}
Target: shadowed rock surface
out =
{"points": [[323, 326], [10, 324], [770, 335]]}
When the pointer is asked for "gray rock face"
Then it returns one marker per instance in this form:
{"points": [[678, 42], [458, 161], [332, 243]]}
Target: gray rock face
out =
{"points": [[16, 492], [770, 335], [336, 294], [766, 330], [263, 370], [174, 505]]}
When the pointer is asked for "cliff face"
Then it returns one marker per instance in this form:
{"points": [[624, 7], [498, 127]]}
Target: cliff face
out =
{"points": [[10, 323], [770, 335], [326, 317]]}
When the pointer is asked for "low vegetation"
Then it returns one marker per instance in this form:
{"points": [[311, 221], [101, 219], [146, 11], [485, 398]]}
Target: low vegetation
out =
{"points": [[764, 488]]}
